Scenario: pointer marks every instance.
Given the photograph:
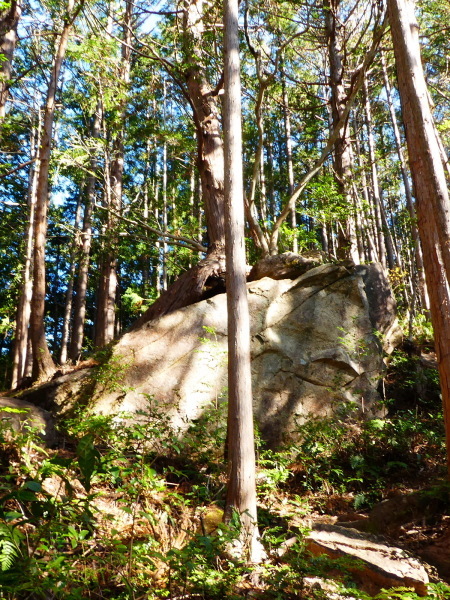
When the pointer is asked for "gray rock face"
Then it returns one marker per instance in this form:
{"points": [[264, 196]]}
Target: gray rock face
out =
{"points": [[18, 414], [61, 394], [314, 351], [381, 566]]}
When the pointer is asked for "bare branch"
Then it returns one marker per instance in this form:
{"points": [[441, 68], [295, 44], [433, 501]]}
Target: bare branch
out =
{"points": [[28, 162]]}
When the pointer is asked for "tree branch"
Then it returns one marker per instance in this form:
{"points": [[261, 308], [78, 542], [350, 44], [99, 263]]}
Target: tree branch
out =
{"points": [[356, 84], [28, 162], [191, 244]]}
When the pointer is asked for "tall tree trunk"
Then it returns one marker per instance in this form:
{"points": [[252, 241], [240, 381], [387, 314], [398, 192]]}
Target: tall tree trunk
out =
{"points": [[378, 208], [106, 303], [81, 284], [289, 161], [241, 494], [43, 365], [367, 214], [69, 292], [204, 101], [165, 221], [158, 267], [339, 100], [432, 197], [189, 287], [9, 18], [21, 338], [423, 292]]}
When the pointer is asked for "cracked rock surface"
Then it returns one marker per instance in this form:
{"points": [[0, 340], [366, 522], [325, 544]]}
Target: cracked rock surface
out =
{"points": [[316, 348], [380, 565]]}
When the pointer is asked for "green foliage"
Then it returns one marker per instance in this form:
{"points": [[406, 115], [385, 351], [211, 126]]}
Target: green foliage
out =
{"points": [[126, 519], [412, 384], [112, 369], [422, 329], [306, 240], [435, 591], [134, 302], [362, 458], [10, 539], [195, 567], [88, 459]]}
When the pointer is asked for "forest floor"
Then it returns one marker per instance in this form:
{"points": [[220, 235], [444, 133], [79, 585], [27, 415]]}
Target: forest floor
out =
{"points": [[106, 516]]}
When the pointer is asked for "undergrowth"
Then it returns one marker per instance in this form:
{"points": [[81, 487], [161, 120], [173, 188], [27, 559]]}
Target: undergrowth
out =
{"points": [[127, 508]]}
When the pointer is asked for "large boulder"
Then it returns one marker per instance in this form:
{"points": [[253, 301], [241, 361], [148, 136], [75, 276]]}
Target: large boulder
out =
{"points": [[316, 349]]}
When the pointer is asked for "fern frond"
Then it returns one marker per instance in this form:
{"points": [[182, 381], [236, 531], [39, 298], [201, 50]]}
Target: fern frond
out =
{"points": [[8, 554], [9, 546]]}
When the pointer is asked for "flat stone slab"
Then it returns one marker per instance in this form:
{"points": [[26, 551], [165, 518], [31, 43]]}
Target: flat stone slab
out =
{"points": [[380, 566]]}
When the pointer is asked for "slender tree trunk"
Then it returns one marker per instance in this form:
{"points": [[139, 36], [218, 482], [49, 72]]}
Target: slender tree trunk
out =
{"points": [[270, 182], [81, 284], [365, 209], [43, 365], [148, 175], [252, 212], [432, 197], [69, 293], [102, 287], [289, 161], [378, 208], [23, 310], [342, 160], [106, 306], [262, 184], [423, 292], [9, 19], [165, 221], [157, 271], [241, 495]]}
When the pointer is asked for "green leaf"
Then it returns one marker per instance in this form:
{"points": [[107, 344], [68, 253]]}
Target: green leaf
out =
{"points": [[9, 546], [26, 495], [12, 515], [34, 486], [88, 460], [10, 409]]}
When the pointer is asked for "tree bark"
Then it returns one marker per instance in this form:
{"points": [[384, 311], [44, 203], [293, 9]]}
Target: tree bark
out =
{"points": [[106, 302], [43, 365], [9, 19], [378, 208], [164, 216], [69, 292], [289, 160], [205, 107], [190, 287], [81, 284], [426, 173], [342, 161], [21, 337], [432, 198], [241, 494], [423, 292]]}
